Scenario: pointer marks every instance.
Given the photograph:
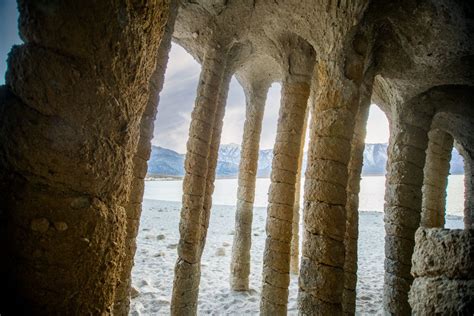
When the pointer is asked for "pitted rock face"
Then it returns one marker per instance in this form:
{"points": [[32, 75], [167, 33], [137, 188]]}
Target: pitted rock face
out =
{"points": [[443, 268], [444, 252], [418, 45]]}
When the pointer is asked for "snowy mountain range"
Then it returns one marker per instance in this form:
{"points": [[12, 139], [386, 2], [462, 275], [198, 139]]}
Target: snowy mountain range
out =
{"points": [[168, 163]]}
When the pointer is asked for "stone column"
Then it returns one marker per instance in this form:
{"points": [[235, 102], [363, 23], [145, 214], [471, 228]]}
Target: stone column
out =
{"points": [[71, 108], [403, 202], [352, 203], [187, 269], [322, 262], [436, 171], [256, 94], [468, 193], [295, 226], [281, 195], [444, 272], [213, 154], [276, 261], [134, 206], [340, 70], [340, 73]]}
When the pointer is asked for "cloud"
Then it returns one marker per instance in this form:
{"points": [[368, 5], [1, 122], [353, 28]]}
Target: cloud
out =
{"points": [[270, 117], [377, 126], [177, 102], [234, 118]]}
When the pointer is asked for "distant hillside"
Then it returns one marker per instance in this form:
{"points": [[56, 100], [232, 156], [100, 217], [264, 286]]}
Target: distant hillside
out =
{"points": [[165, 162], [457, 163], [375, 159]]}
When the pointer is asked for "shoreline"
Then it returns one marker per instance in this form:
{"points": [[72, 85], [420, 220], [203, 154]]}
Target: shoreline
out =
{"points": [[371, 196], [450, 216], [178, 178], [153, 273]]}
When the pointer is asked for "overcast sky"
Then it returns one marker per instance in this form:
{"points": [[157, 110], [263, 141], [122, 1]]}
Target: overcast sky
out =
{"points": [[177, 101], [179, 93]]}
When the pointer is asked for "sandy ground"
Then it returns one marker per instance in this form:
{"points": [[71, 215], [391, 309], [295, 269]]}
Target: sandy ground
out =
{"points": [[156, 256]]}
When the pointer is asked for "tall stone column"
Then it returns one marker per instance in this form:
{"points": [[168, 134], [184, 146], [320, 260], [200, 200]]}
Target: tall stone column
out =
{"points": [[69, 127], [134, 206], [468, 193], [322, 262], [188, 269], [295, 226], [281, 195], [340, 70], [256, 94], [213, 154], [403, 202], [352, 203], [436, 171]]}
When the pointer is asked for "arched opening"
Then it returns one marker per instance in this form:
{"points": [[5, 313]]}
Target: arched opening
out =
{"points": [[215, 278], [455, 195], [371, 252], [216, 258], [152, 275], [72, 173], [371, 207], [455, 121]]}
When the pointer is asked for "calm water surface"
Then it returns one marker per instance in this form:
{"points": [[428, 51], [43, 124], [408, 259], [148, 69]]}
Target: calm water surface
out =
{"points": [[371, 197]]}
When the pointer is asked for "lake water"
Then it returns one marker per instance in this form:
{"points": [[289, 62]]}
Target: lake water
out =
{"points": [[371, 197]]}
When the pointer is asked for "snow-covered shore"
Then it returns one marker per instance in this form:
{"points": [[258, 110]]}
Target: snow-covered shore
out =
{"points": [[156, 256]]}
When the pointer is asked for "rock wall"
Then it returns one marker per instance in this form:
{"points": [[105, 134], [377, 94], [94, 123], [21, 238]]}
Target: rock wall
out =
{"points": [[443, 268], [133, 207], [74, 96]]}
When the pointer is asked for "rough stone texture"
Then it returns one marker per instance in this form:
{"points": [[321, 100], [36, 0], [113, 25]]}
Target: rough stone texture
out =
{"points": [[295, 225], [281, 195], [403, 200], [256, 95], [213, 153], [443, 267], [187, 269], [444, 252], [352, 203], [143, 151], [455, 115], [436, 173], [468, 194], [69, 125], [442, 296], [200, 165], [340, 72]]}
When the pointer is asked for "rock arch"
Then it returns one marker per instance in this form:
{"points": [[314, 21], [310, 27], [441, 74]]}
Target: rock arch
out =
{"points": [[71, 194], [256, 76]]}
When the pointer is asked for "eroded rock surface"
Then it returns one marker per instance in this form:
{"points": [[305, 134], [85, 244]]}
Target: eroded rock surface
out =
{"points": [[443, 268]]}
